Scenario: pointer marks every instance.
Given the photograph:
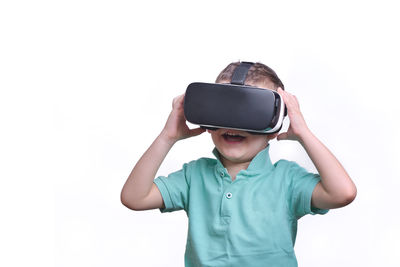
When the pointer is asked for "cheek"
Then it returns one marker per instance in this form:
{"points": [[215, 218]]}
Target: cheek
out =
{"points": [[214, 137], [258, 141]]}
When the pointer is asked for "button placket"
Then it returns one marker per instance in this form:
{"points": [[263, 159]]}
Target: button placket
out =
{"points": [[224, 175], [226, 202]]}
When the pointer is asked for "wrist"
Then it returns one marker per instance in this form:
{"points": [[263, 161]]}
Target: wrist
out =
{"points": [[305, 136], [165, 138]]}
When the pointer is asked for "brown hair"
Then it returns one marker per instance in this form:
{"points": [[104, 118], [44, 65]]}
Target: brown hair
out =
{"points": [[258, 74]]}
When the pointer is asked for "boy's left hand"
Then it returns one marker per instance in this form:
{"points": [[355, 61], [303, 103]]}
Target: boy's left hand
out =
{"points": [[298, 127]]}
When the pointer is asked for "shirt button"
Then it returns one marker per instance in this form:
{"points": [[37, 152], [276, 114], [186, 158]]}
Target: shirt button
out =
{"points": [[222, 174], [228, 195]]}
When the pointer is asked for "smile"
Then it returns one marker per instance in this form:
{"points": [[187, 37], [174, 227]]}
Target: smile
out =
{"points": [[231, 137]]}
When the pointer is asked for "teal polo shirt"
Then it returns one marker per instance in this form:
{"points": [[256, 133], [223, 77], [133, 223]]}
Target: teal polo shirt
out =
{"points": [[251, 221]]}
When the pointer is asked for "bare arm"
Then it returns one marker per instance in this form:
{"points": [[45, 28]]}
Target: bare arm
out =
{"points": [[336, 188], [139, 191], [140, 182]]}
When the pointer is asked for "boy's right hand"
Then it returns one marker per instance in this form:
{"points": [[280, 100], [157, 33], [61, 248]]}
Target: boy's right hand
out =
{"points": [[176, 128]]}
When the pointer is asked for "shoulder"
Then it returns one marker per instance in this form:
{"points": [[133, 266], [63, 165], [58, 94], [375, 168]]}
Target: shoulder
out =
{"points": [[197, 166], [290, 169], [201, 163], [285, 165]]}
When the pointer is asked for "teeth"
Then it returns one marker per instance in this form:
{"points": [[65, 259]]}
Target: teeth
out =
{"points": [[232, 134]]}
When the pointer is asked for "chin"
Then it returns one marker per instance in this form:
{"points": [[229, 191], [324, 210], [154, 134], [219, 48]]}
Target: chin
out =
{"points": [[243, 151], [234, 154]]}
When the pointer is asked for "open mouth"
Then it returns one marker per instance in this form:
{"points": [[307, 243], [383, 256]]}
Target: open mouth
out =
{"points": [[233, 137]]}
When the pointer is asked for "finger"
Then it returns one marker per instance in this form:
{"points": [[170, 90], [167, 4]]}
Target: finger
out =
{"points": [[282, 93], [290, 100], [178, 101], [286, 99], [282, 136], [174, 101], [289, 97], [296, 101], [181, 99], [197, 131]]}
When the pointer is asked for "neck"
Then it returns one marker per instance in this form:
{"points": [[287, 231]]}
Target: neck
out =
{"points": [[233, 168]]}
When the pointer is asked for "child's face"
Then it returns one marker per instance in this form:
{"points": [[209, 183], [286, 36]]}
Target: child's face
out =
{"points": [[240, 150]]}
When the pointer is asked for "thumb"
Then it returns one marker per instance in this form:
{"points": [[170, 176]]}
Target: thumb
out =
{"points": [[197, 131], [282, 136]]}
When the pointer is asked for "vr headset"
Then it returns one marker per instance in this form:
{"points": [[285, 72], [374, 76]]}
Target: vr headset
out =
{"points": [[235, 105]]}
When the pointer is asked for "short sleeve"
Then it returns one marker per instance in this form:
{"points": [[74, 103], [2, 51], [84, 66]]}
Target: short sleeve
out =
{"points": [[302, 184], [174, 190]]}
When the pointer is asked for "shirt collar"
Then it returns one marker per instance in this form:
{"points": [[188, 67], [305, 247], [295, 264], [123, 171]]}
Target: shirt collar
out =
{"points": [[261, 163]]}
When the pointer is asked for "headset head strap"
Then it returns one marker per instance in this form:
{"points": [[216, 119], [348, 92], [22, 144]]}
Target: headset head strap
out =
{"points": [[240, 73]]}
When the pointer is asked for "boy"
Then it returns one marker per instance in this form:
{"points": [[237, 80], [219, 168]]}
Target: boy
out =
{"points": [[242, 209]]}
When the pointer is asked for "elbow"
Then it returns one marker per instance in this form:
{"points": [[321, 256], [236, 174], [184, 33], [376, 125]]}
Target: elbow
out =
{"points": [[124, 200], [348, 197], [127, 202], [352, 195]]}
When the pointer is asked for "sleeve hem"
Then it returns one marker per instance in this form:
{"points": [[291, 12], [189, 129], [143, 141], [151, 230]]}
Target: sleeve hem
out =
{"points": [[307, 203], [165, 195]]}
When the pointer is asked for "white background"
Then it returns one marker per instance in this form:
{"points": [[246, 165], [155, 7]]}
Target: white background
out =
{"points": [[86, 86]]}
